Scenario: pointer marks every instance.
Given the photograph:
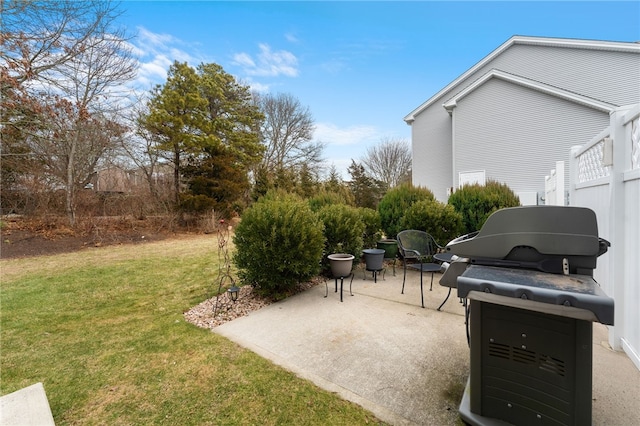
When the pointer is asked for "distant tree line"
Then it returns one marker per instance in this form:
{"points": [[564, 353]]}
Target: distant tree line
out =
{"points": [[74, 138]]}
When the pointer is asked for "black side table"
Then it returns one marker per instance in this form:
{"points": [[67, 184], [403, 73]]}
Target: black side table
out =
{"points": [[341, 284]]}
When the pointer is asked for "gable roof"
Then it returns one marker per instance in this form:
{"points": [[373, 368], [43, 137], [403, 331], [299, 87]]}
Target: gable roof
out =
{"points": [[530, 84], [523, 40]]}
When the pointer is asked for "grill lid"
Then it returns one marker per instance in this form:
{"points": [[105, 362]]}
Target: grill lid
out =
{"points": [[555, 239]]}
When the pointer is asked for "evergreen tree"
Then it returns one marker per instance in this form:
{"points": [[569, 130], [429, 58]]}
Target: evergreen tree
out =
{"points": [[308, 184], [366, 191], [177, 118], [207, 125], [215, 183], [335, 185]]}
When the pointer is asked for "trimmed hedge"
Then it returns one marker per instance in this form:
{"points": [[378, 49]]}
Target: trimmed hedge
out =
{"points": [[279, 244], [440, 220], [324, 198], [395, 203], [343, 230], [477, 202], [372, 227]]}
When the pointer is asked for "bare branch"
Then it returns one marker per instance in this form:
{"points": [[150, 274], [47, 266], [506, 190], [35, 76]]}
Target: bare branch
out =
{"points": [[287, 133], [389, 162], [60, 66]]}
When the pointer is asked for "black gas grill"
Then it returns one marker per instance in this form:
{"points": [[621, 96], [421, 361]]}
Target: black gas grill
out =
{"points": [[527, 280]]}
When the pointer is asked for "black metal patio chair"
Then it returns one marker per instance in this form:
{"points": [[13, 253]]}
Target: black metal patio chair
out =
{"points": [[418, 247]]}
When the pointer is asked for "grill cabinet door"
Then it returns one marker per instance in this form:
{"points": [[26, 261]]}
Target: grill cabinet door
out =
{"points": [[530, 368]]}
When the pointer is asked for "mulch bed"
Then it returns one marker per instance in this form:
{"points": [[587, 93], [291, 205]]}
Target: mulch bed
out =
{"points": [[202, 315], [21, 237]]}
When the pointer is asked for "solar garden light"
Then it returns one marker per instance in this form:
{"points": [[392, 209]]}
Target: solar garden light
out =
{"points": [[233, 292]]}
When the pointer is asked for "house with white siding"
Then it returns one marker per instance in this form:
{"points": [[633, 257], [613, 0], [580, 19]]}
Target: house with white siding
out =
{"points": [[519, 110]]}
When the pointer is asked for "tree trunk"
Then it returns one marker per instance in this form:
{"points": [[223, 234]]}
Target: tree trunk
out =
{"points": [[70, 190], [176, 176]]}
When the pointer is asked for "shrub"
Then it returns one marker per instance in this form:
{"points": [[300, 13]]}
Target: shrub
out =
{"points": [[372, 227], [477, 202], [324, 198], [394, 204], [440, 220], [343, 230], [278, 243]]}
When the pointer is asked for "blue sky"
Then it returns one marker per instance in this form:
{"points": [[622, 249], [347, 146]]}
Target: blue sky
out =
{"points": [[360, 67]]}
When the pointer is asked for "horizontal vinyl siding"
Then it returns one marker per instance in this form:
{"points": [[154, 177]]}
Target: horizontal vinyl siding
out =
{"points": [[517, 134], [606, 76], [431, 148], [612, 77]]}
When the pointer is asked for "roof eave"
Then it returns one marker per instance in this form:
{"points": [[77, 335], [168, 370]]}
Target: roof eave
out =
{"points": [[542, 41], [451, 104]]}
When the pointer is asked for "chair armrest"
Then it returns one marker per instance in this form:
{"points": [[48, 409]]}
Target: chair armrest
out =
{"points": [[411, 253]]}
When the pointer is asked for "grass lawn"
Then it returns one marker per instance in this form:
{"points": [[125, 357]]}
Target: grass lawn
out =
{"points": [[103, 330]]}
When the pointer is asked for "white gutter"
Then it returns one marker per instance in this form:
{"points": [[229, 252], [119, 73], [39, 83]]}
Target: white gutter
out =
{"points": [[539, 41], [530, 84]]}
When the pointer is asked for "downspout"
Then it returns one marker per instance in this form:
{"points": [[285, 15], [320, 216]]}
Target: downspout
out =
{"points": [[450, 106]]}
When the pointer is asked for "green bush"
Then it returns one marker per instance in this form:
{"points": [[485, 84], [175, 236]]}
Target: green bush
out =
{"points": [[279, 194], [440, 220], [372, 227], [395, 202], [324, 198], [279, 243], [477, 202], [343, 230]]}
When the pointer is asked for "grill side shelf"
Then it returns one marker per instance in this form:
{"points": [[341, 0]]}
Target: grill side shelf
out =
{"points": [[575, 296]]}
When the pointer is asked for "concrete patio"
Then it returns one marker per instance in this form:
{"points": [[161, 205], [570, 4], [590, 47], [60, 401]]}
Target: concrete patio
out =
{"points": [[407, 365]]}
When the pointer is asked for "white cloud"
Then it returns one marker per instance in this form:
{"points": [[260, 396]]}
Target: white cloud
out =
{"points": [[268, 62], [155, 54], [244, 60], [147, 38], [136, 50], [353, 135], [291, 38], [151, 72], [182, 56], [345, 144], [259, 87]]}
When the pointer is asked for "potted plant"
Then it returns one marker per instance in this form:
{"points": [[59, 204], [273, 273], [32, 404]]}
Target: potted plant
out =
{"points": [[373, 259], [341, 264], [390, 247]]}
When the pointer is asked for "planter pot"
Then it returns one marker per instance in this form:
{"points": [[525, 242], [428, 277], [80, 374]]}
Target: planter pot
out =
{"points": [[390, 247], [373, 259], [341, 264]]}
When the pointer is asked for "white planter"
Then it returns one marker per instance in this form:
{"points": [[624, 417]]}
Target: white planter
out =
{"points": [[341, 264]]}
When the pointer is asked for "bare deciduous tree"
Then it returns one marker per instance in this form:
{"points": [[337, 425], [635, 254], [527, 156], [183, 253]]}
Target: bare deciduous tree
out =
{"points": [[40, 36], [140, 148], [65, 60], [389, 162], [287, 134]]}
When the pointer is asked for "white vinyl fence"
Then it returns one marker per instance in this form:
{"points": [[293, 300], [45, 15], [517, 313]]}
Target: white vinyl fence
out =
{"points": [[605, 177], [554, 193]]}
